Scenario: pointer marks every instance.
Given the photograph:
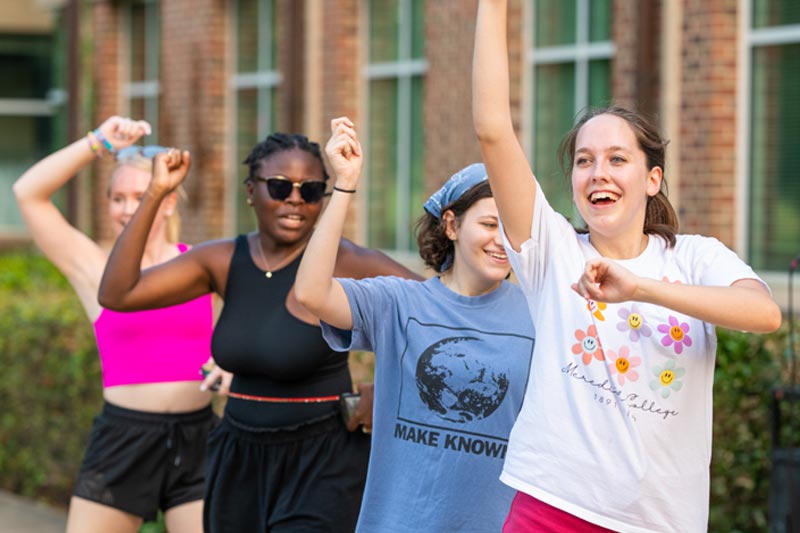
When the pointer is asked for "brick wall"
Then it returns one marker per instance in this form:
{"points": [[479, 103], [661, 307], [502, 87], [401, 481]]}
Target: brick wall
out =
{"points": [[105, 18], [708, 118], [450, 139], [342, 82], [192, 107]]}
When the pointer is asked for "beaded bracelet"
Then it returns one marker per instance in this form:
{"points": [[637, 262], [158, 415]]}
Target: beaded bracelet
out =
{"points": [[102, 138], [348, 191], [93, 144]]}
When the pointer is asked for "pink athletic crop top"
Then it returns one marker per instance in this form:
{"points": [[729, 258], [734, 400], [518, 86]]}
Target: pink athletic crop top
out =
{"points": [[157, 345]]}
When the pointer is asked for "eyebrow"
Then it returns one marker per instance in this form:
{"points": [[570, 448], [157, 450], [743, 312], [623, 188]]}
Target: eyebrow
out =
{"points": [[614, 148]]}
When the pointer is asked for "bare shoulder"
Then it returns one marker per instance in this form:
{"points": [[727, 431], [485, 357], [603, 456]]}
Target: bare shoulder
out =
{"points": [[354, 261], [215, 258]]}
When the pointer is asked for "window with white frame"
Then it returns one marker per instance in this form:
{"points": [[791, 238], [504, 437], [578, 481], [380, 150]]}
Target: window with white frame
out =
{"points": [[142, 31], [255, 86], [31, 113], [395, 131], [571, 70], [774, 123]]}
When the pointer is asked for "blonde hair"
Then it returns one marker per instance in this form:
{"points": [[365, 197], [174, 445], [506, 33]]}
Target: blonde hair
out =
{"points": [[172, 227]]}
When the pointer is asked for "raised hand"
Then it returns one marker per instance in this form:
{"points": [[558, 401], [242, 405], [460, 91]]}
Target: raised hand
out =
{"points": [[122, 132], [604, 280], [169, 170], [344, 153]]}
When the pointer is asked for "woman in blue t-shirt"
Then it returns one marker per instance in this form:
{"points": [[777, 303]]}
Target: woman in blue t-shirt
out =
{"points": [[452, 353]]}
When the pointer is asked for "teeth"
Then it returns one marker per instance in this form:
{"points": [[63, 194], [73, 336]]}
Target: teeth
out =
{"points": [[604, 195], [498, 256]]}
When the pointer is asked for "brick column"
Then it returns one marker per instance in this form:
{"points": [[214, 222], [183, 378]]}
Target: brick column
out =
{"points": [[708, 118]]}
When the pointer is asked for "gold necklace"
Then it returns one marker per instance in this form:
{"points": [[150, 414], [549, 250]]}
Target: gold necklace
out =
{"points": [[268, 273]]}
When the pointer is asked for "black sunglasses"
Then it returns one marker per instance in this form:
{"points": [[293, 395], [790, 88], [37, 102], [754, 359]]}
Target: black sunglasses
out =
{"points": [[280, 188], [148, 151]]}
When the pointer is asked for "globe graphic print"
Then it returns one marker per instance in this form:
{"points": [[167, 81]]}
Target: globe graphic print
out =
{"points": [[456, 383]]}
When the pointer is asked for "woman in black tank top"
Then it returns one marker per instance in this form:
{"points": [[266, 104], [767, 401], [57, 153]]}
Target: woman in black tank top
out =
{"points": [[281, 458]]}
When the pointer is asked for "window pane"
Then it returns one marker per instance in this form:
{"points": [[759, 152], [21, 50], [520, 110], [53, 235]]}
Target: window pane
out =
{"points": [[25, 66], [554, 104], [418, 29], [382, 201], [383, 30], [554, 22], [774, 187], [247, 35], [775, 12], [23, 141], [138, 43], [246, 138], [600, 83], [599, 20], [138, 111]]}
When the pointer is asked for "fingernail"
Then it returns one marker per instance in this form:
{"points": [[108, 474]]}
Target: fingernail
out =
{"points": [[203, 387]]}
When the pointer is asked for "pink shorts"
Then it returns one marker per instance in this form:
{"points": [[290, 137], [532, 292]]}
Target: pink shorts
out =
{"points": [[529, 515]]}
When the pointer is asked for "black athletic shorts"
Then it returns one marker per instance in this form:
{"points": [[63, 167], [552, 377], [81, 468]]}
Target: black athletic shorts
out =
{"points": [[301, 479], [140, 462]]}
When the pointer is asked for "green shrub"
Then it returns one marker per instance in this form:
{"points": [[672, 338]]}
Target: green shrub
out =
{"points": [[51, 386]]}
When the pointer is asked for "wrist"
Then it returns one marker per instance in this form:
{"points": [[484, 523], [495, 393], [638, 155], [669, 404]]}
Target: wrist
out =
{"points": [[101, 138], [94, 144]]}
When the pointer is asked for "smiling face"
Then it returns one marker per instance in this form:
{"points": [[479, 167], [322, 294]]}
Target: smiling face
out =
{"points": [[479, 252], [127, 187], [611, 181], [291, 220]]}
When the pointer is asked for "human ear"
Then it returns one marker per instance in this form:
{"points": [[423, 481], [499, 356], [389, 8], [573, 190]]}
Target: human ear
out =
{"points": [[450, 225], [654, 178]]}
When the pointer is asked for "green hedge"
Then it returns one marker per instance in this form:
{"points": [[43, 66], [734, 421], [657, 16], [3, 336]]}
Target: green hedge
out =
{"points": [[51, 388], [51, 385]]}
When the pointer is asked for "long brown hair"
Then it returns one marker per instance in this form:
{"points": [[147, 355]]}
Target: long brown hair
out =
{"points": [[660, 217]]}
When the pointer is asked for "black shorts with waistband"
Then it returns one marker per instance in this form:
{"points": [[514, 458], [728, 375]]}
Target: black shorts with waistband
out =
{"points": [[140, 462], [299, 479]]}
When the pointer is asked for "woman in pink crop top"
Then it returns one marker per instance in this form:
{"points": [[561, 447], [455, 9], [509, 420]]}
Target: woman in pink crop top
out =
{"points": [[147, 447]]}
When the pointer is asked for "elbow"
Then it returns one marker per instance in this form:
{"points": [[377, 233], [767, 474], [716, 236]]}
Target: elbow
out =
{"points": [[769, 321], [487, 132], [303, 296], [108, 300], [773, 319], [19, 192]]}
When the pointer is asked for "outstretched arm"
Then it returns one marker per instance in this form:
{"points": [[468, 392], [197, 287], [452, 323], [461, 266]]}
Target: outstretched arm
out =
{"points": [[512, 181], [315, 286], [124, 286], [77, 256], [604, 280]]}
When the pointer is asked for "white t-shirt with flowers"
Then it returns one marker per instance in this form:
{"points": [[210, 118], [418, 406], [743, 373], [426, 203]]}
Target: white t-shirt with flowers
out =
{"points": [[616, 423]]}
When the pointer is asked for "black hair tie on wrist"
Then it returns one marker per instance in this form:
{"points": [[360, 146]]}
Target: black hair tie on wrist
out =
{"points": [[348, 191]]}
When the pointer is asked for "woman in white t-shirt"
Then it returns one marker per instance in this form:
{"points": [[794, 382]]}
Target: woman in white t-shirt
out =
{"points": [[615, 430]]}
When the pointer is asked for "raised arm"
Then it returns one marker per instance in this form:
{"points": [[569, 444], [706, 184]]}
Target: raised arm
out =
{"points": [[124, 286], [315, 286], [604, 280], [512, 181], [77, 256]]}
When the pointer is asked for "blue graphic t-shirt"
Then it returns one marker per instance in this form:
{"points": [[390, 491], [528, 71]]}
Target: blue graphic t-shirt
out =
{"points": [[450, 375]]}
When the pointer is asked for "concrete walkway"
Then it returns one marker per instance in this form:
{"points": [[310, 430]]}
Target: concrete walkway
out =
{"points": [[20, 515]]}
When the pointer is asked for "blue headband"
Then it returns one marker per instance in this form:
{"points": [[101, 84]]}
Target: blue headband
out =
{"points": [[455, 187]]}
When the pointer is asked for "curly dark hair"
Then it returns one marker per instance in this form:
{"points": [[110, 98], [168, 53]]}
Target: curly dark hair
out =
{"points": [[434, 245], [279, 142]]}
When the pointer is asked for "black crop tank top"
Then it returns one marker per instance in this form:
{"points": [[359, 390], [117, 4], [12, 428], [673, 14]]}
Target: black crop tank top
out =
{"points": [[270, 351]]}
